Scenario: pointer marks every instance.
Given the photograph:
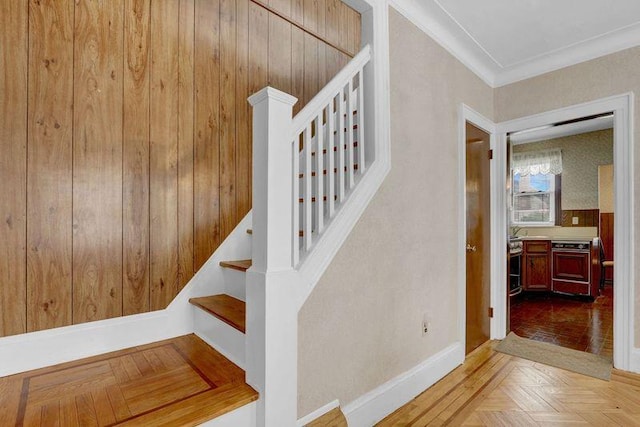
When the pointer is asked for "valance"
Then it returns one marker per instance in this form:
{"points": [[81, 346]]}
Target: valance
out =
{"points": [[537, 162]]}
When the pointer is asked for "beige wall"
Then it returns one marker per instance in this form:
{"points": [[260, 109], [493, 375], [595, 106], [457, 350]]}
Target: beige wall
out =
{"points": [[605, 189], [610, 75], [581, 156], [361, 325]]}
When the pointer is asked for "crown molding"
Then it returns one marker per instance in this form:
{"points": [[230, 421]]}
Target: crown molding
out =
{"points": [[438, 25], [434, 22]]}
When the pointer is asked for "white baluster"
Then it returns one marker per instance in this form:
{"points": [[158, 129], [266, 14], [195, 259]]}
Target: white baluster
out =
{"points": [[296, 201], [349, 125], [360, 115], [307, 190], [319, 207], [340, 142], [331, 143]]}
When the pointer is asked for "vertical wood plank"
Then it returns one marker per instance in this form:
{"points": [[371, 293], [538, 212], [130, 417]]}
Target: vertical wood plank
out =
{"points": [[243, 112], [49, 189], [186, 49], [207, 127], [297, 67], [311, 72], [97, 160], [13, 166], [258, 47], [323, 74], [279, 53], [297, 11], [135, 162], [228, 219], [282, 6], [163, 159]]}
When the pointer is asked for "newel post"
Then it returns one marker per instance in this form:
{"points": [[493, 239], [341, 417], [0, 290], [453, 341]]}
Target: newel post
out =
{"points": [[272, 316]]}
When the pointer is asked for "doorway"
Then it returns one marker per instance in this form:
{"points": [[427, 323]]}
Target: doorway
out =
{"points": [[554, 210], [478, 232], [623, 290]]}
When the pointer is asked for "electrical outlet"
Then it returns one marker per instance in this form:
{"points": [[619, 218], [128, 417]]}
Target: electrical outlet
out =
{"points": [[426, 324], [575, 220]]}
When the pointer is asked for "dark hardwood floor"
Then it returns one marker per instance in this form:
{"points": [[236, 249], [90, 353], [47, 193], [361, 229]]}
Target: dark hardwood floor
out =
{"points": [[566, 321]]}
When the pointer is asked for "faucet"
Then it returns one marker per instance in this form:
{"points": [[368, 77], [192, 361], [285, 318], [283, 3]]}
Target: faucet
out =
{"points": [[515, 230]]}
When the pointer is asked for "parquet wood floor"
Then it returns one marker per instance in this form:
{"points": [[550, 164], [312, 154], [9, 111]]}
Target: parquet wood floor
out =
{"points": [[495, 389], [177, 382], [566, 321]]}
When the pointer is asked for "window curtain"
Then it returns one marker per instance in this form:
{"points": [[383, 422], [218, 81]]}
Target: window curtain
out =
{"points": [[537, 162]]}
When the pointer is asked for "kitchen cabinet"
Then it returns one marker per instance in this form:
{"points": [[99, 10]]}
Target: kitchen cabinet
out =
{"points": [[537, 265]]}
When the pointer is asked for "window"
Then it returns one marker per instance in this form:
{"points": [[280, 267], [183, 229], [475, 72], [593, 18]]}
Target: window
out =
{"points": [[534, 199], [536, 187]]}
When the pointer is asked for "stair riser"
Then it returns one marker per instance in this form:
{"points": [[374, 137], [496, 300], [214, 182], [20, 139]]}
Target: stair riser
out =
{"points": [[235, 283], [224, 338], [244, 416]]}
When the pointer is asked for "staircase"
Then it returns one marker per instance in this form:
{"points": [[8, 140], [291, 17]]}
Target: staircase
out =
{"points": [[313, 176], [300, 188]]}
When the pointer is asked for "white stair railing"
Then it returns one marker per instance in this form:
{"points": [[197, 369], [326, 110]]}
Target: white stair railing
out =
{"points": [[328, 136]]}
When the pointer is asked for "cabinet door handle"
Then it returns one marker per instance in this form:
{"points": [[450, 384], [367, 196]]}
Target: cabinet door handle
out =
{"points": [[471, 248]]}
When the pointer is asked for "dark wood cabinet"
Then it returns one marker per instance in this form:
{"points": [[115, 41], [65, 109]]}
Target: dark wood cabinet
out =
{"points": [[537, 265]]}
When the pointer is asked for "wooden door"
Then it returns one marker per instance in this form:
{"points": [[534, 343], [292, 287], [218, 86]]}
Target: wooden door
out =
{"points": [[478, 237]]}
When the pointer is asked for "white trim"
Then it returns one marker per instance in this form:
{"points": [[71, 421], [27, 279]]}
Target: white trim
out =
{"points": [[435, 22], [34, 350], [318, 413], [624, 232], [467, 114], [373, 406]]}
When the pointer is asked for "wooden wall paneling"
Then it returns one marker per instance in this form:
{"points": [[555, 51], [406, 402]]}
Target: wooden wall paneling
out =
{"points": [[163, 159], [49, 177], [323, 72], [135, 158], [279, 49], [13, 166], [606, 236], [243, 112], [343, 11], [97, 160], [228, 213], [297, 67], [281, 6], [207, 127], [353, 22], [186, 109], [297, 11], [311, 86], [332, 33]]}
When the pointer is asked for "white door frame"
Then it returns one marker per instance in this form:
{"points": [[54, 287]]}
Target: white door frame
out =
{"points": [[623, 320], [467, 114]]}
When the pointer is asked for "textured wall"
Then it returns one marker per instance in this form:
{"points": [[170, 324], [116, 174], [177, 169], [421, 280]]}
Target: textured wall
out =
{"points": [[581, 156], [610, 75], [361, 325]]}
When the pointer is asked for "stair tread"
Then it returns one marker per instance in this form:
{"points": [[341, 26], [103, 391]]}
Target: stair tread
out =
{"points": [[225, 307], [241, 264]]}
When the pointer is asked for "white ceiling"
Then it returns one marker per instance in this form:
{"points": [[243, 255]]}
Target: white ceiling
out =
{"points": [[509, 40]]}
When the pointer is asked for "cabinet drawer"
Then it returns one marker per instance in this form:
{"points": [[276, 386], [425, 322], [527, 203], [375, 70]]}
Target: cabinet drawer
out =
{"points": [[570, 287], [537, 246]]}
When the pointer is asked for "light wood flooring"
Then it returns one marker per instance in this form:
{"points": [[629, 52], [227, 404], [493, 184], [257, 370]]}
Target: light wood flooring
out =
{"points": [[494, 389], [177, 382]]}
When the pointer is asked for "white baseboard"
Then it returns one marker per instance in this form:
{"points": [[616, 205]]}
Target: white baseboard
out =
{"points": [[634, 366], [380, 402], [33, 350], [318, 413]]}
